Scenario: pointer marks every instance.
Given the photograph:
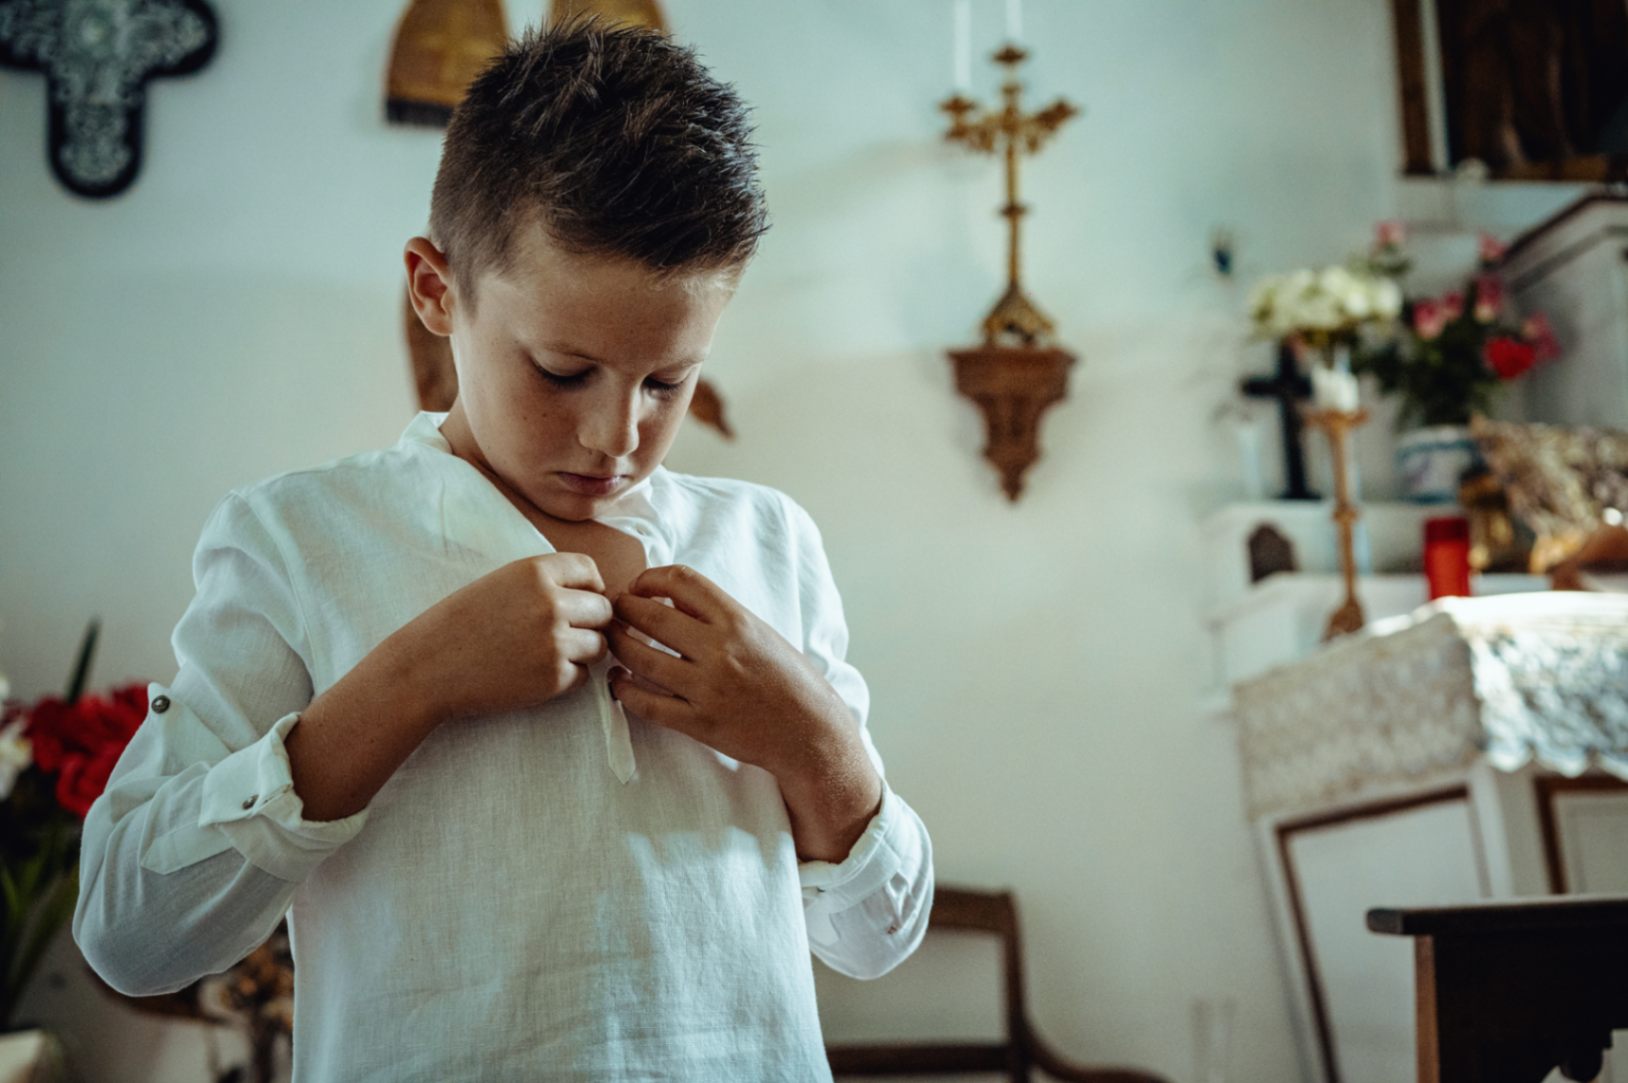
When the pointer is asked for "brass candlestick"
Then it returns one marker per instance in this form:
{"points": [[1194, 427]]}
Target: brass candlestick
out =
{"points": [[1017, 373], [1003, 131], [1337, 424]]}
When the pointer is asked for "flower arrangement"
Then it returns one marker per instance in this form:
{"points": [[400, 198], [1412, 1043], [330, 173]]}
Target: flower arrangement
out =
{"points": [[1454, 354], [1326, 307], [55, 758]]}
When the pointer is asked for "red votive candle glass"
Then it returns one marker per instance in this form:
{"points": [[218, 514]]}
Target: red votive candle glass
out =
{"points": [[1447, 556]]}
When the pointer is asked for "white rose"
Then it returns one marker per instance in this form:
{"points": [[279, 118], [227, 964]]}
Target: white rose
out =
{"points": [[16, 753], [1320, 312], [1336, 280]]}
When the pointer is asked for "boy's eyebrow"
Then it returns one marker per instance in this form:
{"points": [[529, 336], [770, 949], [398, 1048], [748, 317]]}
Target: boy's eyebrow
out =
{"points": [[561, 348]]}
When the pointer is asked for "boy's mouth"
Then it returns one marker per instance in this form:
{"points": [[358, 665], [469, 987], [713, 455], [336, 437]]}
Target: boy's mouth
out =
{"points": [[591, 484]]}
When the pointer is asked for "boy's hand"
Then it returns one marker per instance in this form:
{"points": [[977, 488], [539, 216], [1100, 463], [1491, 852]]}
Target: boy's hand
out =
{"points": [[739, 687], [514, 638]]}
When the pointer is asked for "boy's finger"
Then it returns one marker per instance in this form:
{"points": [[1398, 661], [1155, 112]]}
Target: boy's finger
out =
{"points": [[651, 664], [691, 591], [663, 623], [648, 701], [586, 608], [577, 570]]}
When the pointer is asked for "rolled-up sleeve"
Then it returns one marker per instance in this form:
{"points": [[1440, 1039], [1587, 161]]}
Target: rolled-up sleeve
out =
{"points": [[867, 913], [191, 855]]}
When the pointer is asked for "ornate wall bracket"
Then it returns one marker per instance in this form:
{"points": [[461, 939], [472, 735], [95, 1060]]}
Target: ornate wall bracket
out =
{"points": [[1012, 386]]}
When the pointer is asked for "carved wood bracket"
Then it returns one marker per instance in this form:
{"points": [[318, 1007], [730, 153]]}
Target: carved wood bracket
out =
{"points": [[1012, 386]]}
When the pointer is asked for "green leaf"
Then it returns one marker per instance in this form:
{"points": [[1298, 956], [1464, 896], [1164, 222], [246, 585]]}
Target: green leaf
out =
{"points": [[53, 912]]}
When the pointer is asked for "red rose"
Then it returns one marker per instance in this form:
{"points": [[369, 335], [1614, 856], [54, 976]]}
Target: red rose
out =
{"points": [[49, 721], [84, 777], [1508, 357], [112, 719], [80, 742]]}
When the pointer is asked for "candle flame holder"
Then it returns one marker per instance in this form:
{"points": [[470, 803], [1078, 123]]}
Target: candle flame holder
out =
{"points": [[1337, 425]]}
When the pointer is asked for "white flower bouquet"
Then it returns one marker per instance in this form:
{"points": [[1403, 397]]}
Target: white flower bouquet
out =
{"points": [[1327, 306]]}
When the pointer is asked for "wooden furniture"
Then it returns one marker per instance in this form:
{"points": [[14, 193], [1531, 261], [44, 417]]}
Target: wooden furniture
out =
{"points": [[1507, 992], [961, 909]]}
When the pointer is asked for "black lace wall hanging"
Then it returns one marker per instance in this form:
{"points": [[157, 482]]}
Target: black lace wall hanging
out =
{"points": [[97, 56]]}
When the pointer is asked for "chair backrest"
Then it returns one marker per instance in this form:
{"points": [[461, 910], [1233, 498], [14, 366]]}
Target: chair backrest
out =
{"points": [[964, 909]]}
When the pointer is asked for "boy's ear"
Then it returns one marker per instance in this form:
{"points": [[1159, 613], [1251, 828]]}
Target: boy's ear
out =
{"points": [[429, 285]]}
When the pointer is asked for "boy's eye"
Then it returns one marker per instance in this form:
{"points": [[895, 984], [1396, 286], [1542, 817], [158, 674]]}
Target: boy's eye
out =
{"points": [[658, 387]]}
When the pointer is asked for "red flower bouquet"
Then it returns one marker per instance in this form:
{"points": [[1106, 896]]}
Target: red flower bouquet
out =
{"points": [[55, 758], [1455, 352]]}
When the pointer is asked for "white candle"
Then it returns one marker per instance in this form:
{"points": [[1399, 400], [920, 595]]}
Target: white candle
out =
{"points": [[1334, 390], [1014, 20], [963, 46]]}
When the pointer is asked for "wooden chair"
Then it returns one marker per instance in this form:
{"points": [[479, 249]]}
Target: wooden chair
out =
{"points": [[969, 910], [1508, 991]]}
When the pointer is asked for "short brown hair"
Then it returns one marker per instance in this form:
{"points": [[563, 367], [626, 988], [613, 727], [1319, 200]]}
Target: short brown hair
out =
{"points": [[615, 139]]}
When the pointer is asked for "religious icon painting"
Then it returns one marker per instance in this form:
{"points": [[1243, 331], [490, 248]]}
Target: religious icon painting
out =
{"points": [[97, 57]]}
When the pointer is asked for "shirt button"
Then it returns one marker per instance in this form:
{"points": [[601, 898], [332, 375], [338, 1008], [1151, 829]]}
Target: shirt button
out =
{"points": [[891, 929], [253, 797], [161, 704]]}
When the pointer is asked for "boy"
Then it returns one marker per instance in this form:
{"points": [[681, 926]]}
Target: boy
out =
{"points": [[397, 717]]}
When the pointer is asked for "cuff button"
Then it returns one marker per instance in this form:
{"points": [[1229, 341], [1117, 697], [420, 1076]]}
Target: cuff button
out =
{"points": [[252, 798], [161, 704]]}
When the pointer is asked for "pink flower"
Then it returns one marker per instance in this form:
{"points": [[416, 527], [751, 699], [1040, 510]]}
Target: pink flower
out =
{"points": [[1429, 319], [1489, 297], [1508, 357], [1452, 305], [1541, 336], [1391, 233], [1492, 250]]}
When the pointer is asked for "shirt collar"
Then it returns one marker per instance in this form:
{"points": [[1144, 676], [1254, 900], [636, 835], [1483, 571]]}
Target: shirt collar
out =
{"points": [[635, 509]]}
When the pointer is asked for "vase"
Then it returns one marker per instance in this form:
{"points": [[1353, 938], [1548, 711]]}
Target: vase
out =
{"points": [[1430, 462]]}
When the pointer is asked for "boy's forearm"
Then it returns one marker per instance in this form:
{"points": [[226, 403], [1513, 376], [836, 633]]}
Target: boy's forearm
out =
{"points": [[352, 738], [831, 797]]}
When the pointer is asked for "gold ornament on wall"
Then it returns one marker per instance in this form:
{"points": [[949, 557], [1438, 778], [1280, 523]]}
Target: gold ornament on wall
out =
{"points": [[1018, 372], [439, 48], [631, 12]]}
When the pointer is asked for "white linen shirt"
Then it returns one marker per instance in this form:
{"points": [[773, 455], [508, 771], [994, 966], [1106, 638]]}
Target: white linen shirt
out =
{"points": [[504, 908]]}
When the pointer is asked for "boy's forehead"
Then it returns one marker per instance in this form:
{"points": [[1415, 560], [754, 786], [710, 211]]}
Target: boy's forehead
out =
{"points": [[552, 300]]}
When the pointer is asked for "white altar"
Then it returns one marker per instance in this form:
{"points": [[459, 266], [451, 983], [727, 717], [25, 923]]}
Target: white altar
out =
{"points": [[1471, 749]]}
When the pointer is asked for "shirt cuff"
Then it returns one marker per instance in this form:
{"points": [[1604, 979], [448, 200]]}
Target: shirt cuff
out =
{"points": [[875, 856], [250, 796]]}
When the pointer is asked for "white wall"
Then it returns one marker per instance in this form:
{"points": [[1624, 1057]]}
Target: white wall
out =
{"points": [[1034, 668]]}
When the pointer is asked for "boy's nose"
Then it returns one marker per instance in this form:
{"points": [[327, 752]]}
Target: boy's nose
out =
{"points": [[613, 432]]}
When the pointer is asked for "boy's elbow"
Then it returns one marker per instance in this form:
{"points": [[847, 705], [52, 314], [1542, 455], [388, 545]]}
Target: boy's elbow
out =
{"points": [[132, 960], [125, 963]]}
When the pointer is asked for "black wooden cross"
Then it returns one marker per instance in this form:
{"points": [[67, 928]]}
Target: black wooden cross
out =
{"points": [[1288, 386], [97, 56]]}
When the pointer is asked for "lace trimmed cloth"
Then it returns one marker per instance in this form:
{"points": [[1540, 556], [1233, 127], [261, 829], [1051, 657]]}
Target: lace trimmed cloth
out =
{"points": [[1511, 678]]}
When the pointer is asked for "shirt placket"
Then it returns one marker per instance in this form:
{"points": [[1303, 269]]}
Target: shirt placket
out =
{"points": [[612, 715]]}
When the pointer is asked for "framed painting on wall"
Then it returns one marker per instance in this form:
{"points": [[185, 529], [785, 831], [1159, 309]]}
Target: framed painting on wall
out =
{"points": [[1535, 89]]}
